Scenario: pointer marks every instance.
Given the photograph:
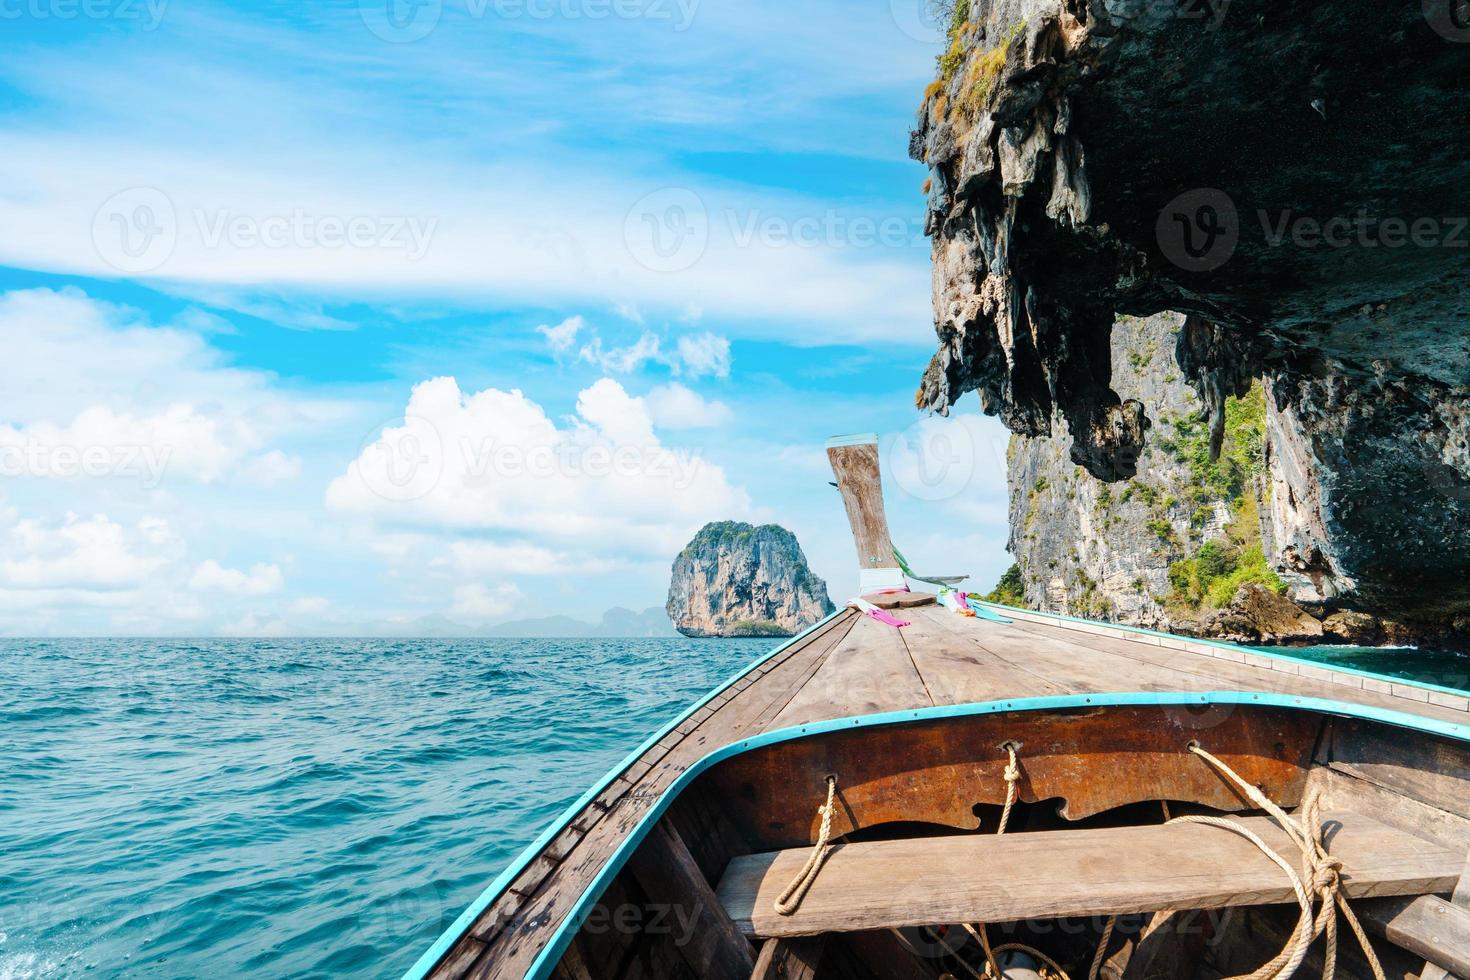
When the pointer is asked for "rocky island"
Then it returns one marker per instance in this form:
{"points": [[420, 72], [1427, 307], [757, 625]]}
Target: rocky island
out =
{"points": [[735, 579], [1253, 173]]}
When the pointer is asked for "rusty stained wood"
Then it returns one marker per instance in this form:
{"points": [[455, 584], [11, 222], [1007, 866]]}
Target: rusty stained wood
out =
{"points": [[861, 483], [1054, 874], [936, 771]]}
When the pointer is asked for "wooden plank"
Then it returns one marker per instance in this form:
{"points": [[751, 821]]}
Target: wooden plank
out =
{"points": [[1425, 925], [1001, 878], [957, 669], [1244, 670], [1431, 770], [868, 672], [713, 948], [861, 485], [1435, 969], [789, 959], [1341, 791]]}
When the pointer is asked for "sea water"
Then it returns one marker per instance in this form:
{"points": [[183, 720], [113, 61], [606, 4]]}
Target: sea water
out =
{"points": [[230, 808]]}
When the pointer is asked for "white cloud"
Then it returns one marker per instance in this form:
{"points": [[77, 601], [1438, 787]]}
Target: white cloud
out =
{"points": [[623, 360], [272, 468], [310, 606], [695, 355], [88, 554], [705, 353], [262, 579], [603, 483], [134, 401], [100, 442], [477, 601], [564, 334], [479, 557], [673, 406]]}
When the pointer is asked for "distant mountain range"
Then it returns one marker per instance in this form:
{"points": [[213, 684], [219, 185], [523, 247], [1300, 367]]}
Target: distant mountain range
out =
{"points": [[616, 622]]}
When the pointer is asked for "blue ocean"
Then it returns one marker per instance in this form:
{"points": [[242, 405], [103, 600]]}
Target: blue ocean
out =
{"points": [[313, 808], [304, 808]]}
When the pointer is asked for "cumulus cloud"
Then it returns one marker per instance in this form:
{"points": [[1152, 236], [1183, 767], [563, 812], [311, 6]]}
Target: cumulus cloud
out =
{"points": [[262, 579], [563, 335], [601, 483], [136, 401], [77, 553], [673, 406]]}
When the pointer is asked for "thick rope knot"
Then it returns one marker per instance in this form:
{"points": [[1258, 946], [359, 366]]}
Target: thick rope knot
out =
{"points": [[1327, 877], [790, 900], [1320, 871]]}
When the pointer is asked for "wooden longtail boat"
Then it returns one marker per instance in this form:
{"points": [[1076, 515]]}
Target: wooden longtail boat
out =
{"points": [[1023, 795]]}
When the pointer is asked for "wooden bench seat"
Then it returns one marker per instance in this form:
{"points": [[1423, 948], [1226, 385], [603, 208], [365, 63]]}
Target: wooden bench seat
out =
{"points": [[988, 878]]}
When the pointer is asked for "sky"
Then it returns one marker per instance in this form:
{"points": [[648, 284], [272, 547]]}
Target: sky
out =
{"points": [[341, 318]]}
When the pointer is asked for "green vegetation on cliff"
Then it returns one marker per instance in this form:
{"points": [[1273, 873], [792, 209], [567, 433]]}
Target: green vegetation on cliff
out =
{"points": [[1010, 590], [1209, 577]]}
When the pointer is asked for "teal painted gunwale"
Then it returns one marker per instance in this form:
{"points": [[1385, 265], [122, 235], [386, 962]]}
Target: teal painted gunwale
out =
{"points": [[1222, 645], [577, 915]]}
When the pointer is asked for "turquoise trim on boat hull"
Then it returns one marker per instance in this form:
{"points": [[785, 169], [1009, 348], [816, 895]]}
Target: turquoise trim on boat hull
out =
{"points": [[552, 952], [425, 963]]}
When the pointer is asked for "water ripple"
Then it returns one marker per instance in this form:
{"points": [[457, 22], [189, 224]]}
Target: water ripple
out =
{"points": [[307, 808]]}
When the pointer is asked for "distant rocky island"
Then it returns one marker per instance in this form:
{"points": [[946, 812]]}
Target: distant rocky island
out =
{"points": [[736, 579]]}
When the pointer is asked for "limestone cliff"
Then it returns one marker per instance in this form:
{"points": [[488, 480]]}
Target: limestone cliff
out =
{"points": [[1129, 553], [1289, 175], [737, 580]]}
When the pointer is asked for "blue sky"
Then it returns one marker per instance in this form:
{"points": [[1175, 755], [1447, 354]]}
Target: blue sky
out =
{"points": [[352, 318]]}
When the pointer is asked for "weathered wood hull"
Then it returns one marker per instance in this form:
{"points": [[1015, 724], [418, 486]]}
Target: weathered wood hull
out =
{"points": [[673, 865]]}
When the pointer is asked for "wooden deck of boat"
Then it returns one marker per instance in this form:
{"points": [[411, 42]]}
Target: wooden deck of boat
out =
{"points": [[854, 665]]}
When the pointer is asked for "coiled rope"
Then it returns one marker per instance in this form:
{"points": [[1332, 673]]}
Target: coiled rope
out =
{"points": [[790, 899], [1320, 878]]}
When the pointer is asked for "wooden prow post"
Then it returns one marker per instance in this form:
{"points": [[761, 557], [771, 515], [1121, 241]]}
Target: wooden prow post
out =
{"points": [[855, 464]]}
